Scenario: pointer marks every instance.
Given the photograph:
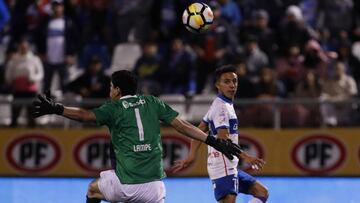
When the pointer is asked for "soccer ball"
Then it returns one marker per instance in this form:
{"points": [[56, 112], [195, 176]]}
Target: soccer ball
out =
{"points": [[197, 17]]}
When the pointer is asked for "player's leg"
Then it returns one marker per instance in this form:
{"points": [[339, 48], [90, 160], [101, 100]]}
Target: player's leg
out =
{"points": [[230, 198], [259, 191], [226, 189], [93, 194], [249, 185]]}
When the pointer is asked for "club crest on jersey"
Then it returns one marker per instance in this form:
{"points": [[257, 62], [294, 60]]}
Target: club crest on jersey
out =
{"points": [[129, 104], [235, 127]]}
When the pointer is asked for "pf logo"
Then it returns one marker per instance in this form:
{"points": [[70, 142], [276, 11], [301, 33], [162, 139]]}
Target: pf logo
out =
{"points": [[252, 147], [33, 153], [318, 154], [93, 153], [174, 148]]}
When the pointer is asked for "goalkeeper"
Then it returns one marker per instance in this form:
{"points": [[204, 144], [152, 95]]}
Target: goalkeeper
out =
{"points": [[133, 122]]}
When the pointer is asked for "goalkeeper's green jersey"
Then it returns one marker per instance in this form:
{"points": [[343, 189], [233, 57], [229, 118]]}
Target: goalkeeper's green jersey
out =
{"points": [[134, 125]]}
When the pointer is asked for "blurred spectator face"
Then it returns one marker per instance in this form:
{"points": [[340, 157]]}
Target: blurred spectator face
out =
{"points": [[291, 18], [343, 35], [266, 75], [357, 33], [58, 9], [95, 67], [344, 52], [251, 46], [150, 49], [177, 45], [325, 34], [261, 18], [23, 47], [294, 50], [339, 70], [241, 69], [310, 77], [261, 22]]}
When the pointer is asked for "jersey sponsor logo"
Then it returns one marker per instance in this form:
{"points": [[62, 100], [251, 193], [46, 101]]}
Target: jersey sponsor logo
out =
{"points": [[252, 147], [127, 104], [174, 148], [93, 153], [318, 154], [33, 153]]}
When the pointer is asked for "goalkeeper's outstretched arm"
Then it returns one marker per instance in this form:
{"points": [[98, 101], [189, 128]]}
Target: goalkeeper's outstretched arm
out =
{"points": [[45, 105], [79, 114]]}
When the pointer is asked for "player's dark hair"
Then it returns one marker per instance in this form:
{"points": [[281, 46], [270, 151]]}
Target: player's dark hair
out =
{"points": [[224, 69], [126, 81]]}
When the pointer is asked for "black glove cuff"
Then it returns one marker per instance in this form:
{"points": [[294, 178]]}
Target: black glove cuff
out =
{"points": [[210, 140], [59, 109]]}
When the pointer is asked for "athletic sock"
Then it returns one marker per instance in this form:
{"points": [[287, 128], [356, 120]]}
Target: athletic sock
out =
{"points": [[92, 200]]}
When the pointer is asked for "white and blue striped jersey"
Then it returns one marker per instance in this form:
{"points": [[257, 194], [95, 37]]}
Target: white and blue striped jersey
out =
{"points": [[221, 115]]}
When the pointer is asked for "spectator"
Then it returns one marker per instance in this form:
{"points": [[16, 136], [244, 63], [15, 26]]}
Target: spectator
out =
{"points": [[337, 88], [317, 59], [267, 88], [96, 21], [335, 15], [290, 67], [309, 9], [179, 68], [230, 11], [264, 34], [304, 115], [268, 85], [18, 25], [57, 44], [328, 43], [256, 59], [93, 83], [149, 69], [95, 47], [293, 30], [24, 73], [132, 15], [245, 85]]}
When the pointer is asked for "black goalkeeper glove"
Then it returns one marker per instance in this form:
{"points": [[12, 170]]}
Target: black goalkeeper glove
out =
{"points": [[46, 105], [225, 146]]}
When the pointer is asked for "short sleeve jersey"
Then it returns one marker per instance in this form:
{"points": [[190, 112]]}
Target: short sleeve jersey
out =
{"points": [[221, 115], [134, 125]]}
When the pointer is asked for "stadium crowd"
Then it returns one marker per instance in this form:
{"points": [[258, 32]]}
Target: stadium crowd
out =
{"points": [[281, 48]]}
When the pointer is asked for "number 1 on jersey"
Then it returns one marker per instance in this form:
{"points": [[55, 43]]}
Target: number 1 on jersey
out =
{"points": [[139, 124]]}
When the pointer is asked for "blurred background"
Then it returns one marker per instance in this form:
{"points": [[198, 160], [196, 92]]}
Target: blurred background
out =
{"points": [[298, 64]]}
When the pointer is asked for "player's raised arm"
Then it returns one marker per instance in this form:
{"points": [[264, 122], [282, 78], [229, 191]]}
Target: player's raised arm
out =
{"points": [[45, 105], [228, 148]]}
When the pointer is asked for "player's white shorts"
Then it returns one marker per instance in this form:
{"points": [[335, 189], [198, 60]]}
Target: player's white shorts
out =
{"points": [[113, 191]]}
